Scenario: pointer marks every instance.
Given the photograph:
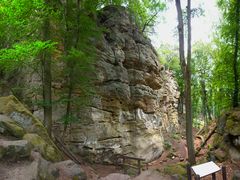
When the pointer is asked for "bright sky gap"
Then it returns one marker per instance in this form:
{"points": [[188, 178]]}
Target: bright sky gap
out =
{"points": [[202, 27]]}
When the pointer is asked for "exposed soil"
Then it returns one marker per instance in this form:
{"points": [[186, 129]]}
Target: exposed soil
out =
{"points": [[177, 153], [20, 170]]}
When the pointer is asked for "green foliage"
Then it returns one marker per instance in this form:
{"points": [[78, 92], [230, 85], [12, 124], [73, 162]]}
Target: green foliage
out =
{"points": [[173, 169], [176, 136], [169, 58], [144, 11], [22, 54], [20, 20], [198, 123], [167, 145], [223, 75], [80, 32], [202, 67], [222, 81]]}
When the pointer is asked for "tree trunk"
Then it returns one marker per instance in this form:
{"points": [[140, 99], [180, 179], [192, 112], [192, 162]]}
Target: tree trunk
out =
{"points": [[180, 103], [204, 101], [190, 145], [47, 78], [187, 76], [71, 43], [69, 102], [235, 64]]}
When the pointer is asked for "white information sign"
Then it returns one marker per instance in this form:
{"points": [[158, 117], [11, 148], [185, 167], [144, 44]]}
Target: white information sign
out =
{"points": [[205, 169]]}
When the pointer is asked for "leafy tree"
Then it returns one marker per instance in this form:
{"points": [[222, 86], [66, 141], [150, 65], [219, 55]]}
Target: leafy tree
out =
{"points": [[227, 42], [80, 31], [144, 11], [202, 63], [26, 34]]}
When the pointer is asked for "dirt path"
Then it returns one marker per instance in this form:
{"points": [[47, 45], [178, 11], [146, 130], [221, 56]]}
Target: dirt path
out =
{"points": [[176, 153], [20, 170]]}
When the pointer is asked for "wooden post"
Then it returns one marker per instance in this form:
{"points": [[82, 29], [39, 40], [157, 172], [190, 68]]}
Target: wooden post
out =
{"points": [[224, 173], [189, 174], [147, 166], [213, 176], [197, 177], [139, 166]]}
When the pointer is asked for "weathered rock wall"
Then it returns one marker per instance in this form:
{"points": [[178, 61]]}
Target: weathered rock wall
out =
{"points": [[136, 97]]}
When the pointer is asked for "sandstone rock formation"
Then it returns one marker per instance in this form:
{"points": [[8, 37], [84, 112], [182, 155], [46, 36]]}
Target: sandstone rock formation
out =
{"points": [[136, 97], [26, 151], [16, 120]]}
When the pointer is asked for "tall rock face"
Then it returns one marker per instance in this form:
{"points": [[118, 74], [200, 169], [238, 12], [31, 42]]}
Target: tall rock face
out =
{"points": [[136, 98]]}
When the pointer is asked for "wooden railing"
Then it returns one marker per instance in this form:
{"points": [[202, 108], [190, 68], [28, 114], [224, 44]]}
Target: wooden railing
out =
{"points": [[122, 160]]}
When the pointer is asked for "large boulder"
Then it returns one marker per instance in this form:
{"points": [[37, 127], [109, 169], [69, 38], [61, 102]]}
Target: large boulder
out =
{"points": [[14, 149], [11, 127], [18, 121], [116, 176], [233, 123], [227, 137], [36, 167], [66, 170], [38, 143]]}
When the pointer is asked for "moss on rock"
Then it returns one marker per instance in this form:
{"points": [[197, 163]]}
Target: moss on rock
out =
{"points": [[11, 127], [46, 150], [217, 140], [2, 152], [178, 168], [14, 149], [233, 126], [11, 107]]}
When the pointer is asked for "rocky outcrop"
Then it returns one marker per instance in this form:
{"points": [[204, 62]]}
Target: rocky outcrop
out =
{"points": [[136, 98], [26, 150], [17, 121], [227, 136]]}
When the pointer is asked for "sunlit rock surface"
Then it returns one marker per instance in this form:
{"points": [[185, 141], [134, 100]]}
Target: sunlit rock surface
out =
{"points": [[136, 97]]}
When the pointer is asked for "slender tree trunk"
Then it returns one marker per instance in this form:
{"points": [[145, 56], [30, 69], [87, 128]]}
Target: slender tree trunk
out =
{"points": [[180, 103], [47, 78], [187, 76], [69, 103], [205, 106], [71, 43], [235, 63], [191, 153], [204, 101], [181, 37]]}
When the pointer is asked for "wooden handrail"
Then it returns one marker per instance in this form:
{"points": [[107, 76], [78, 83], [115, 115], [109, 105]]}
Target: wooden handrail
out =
{"points": [[129, 157], [124, 157]]}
